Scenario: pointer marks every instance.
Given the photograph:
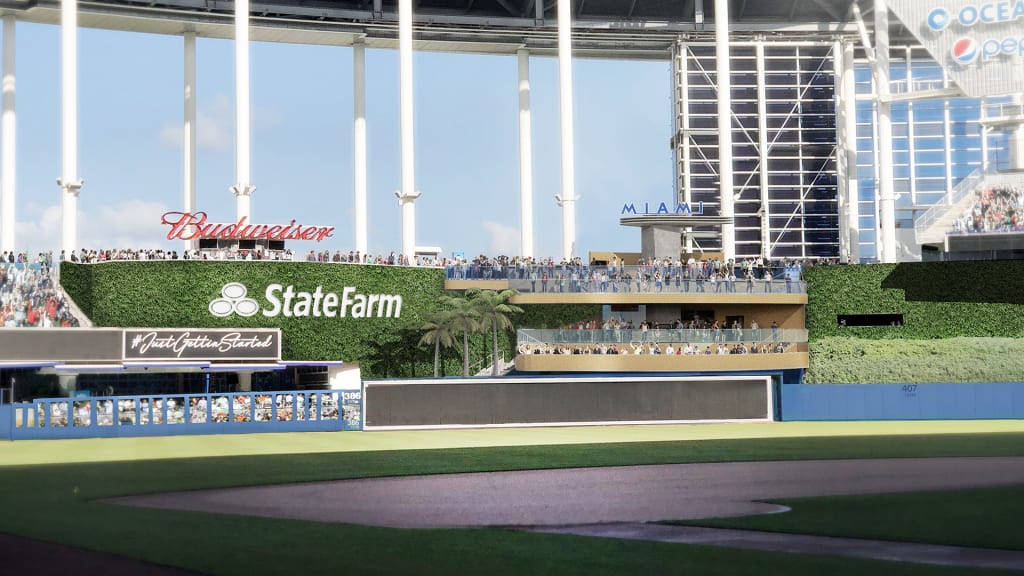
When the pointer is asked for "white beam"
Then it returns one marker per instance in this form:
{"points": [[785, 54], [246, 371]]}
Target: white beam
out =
{"points": [[243, 187], [69, 181], [846, 151], [725, 170], [359, 143], [762, 152], [8, 140], [886, 189], [525, 155], [1015, 137], [567, 199], [189, 132], [681, 69], [408, 194]]}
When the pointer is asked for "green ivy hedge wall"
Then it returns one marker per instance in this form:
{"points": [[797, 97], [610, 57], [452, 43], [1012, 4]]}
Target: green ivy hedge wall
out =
{"points": [[937, 299], [176, 294], [962, 322]]}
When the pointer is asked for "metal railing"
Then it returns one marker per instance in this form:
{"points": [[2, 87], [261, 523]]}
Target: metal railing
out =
{"points": [[1003, 110], [535, 337], [966, 186]]}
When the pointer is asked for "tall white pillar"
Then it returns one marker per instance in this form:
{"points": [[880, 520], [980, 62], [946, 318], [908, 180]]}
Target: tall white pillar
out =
{"points": [[525, 155], [1016, 135], [852, 193], [7, 141], [986, 164], [567, 199], [947, 142], [243, 187], [846, 150], [725, 171], [359, 142], [886, 189], [69, 181], [189, 133], [407, 195], [762, 151], [911, 139], [681, 103]]}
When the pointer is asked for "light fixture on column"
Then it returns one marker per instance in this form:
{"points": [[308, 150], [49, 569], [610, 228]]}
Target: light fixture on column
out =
{"points": [[243, 189], [560, 200], [72, 186], [403, 198]]}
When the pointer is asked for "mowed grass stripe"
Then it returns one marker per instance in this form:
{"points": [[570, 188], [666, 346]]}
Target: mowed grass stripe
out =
{"points": [[172, 447]]}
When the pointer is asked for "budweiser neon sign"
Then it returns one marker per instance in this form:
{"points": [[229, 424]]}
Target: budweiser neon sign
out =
{"points": [[193, 226]]}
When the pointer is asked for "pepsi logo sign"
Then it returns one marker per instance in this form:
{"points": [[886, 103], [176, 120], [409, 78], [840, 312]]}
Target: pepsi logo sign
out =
{"points": [[964, 51]]}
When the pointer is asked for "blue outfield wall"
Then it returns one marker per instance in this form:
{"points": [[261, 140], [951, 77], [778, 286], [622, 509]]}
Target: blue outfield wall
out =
{"points": [[6, 422], [977, 401]]}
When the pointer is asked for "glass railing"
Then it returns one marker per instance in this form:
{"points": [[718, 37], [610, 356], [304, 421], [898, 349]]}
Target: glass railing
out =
{"points": [[632, 279], [535, 339]]}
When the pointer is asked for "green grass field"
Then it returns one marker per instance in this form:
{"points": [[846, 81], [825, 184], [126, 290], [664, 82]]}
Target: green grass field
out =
{"points": [[48, 490], [982, 517]]}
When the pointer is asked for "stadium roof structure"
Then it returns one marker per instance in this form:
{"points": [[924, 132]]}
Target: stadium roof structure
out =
{"points": [[642, 29]]}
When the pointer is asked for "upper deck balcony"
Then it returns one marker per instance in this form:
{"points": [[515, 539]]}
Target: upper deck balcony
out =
{"points": [[627, 285], [660, 350]]}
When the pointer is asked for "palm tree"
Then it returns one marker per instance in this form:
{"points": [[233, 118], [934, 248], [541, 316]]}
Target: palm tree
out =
{"points": [[439, 331], [464, 319], [493, 309]]}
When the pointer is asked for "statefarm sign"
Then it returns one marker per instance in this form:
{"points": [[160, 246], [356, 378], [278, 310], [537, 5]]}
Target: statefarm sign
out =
{"points": [[193, 226], [289, 301]]}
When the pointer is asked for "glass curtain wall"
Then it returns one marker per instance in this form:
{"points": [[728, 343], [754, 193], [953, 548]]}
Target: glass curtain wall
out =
{"points": [[936, 143], [784, 146]]}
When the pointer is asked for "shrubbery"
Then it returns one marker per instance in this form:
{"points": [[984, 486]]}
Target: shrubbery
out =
{"points": [[838, 360], [937, 300]]}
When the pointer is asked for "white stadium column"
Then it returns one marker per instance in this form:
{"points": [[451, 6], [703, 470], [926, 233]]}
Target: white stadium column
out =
{"points": [[762, 151], [7, 141], [189, 133], [359, 142], [525, 155], [408, 194], [1016, 135], [69, 182], [849, 106], [243, 187], [886, 187], [567, 199], [725, 171]]}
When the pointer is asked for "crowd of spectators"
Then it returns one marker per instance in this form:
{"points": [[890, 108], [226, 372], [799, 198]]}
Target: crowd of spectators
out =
{"points": [[620, 336], [352, 257], [30, 298], [527, 273], [997, 209], [650, 275], [656, 349]]}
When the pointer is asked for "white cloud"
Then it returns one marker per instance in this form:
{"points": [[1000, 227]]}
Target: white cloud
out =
{"points": [[40, 234], [214, 127], [503, 239], [129, 224]]}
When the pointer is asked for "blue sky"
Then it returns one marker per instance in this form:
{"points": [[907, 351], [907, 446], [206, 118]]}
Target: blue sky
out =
{"points": [[466, 109]]}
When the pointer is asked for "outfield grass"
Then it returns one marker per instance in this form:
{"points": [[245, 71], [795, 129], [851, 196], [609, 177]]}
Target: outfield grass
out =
{"points": [[981, 517], [48, 490]]}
